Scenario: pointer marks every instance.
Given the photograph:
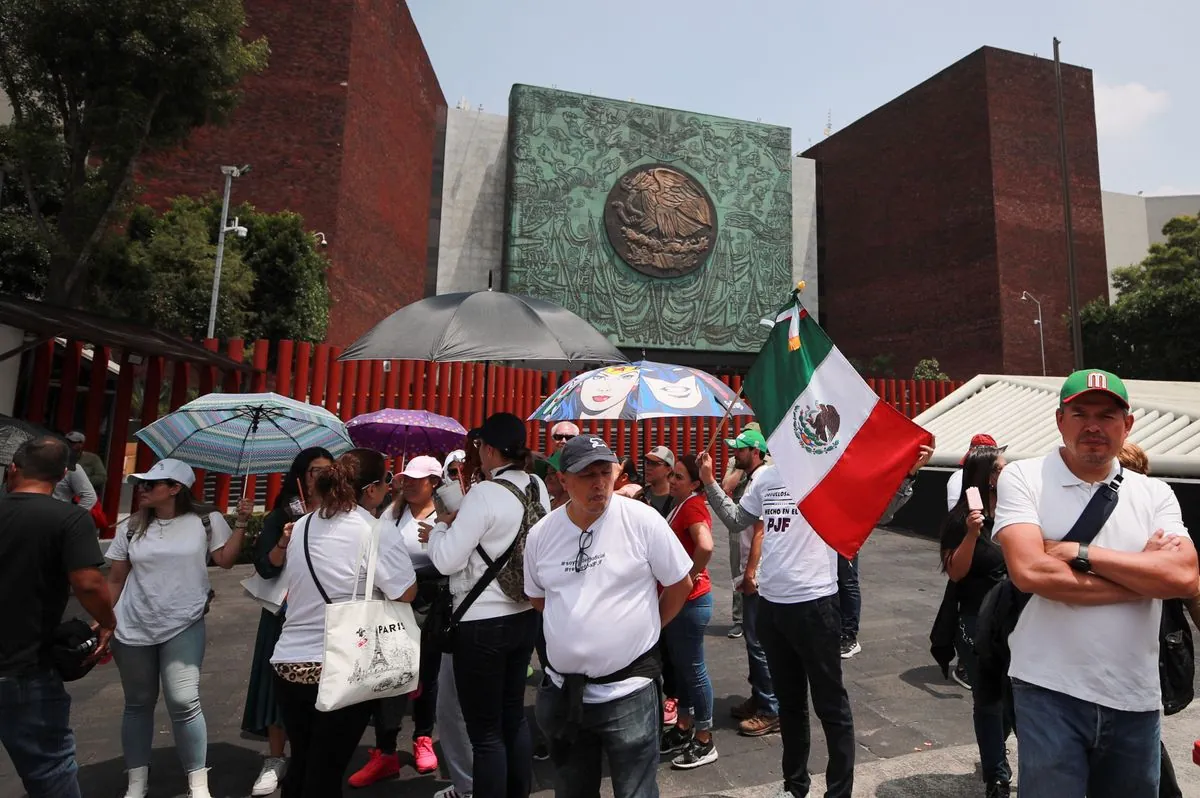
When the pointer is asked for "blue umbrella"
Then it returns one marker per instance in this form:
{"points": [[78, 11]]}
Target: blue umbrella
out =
{"points": [[241, 433], [638, 391]]}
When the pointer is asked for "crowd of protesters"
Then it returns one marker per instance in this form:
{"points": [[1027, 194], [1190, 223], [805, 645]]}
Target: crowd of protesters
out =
{"points": [[601, 570]]}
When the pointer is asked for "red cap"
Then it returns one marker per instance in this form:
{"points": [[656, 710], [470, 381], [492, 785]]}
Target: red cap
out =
{"points": [[980, 439]]}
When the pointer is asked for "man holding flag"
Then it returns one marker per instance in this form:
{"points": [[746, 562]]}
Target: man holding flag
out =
{"points": [[844, 462]]}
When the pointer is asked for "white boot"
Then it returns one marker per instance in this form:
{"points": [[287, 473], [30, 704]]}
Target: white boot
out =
{"points": [[139, 779], [198, 784]]}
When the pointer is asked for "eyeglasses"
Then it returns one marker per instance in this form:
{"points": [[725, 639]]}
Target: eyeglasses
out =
{"points": [[585, 542], [562, 437], [316, 471]]}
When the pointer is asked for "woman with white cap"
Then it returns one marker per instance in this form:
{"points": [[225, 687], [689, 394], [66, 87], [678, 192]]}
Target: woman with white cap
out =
{"points": [[160, 589], [413, 505]]}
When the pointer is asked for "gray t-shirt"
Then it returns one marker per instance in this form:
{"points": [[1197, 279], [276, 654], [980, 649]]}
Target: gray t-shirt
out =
{"points": [[662, 503]]}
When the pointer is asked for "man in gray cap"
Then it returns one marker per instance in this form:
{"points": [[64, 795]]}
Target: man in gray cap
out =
{"points": [[90, 462], [592, 567]]}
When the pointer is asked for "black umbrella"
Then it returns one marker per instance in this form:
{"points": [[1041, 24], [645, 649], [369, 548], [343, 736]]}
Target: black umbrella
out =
{"points": [[14, 432], [484, 326]]}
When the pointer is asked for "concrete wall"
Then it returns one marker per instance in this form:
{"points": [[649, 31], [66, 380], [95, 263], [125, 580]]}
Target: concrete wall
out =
{"points": [[1126, 232], [804, 232], [10, 369], [473, 186], [1160, 210]]}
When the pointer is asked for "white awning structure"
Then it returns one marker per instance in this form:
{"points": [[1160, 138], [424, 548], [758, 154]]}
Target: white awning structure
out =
{"points": [[1019, 413]]}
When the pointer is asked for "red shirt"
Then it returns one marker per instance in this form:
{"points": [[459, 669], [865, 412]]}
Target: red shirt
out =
{"points": [[693, 511]]}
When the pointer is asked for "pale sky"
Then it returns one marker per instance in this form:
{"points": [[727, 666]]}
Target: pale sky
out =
{"points": [[793, 63]]}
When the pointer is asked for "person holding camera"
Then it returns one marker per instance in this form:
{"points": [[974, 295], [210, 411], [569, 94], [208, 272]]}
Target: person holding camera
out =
{"points": [[48, 549]]}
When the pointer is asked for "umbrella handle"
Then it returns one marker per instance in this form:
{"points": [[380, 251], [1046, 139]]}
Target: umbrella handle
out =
{"points": [[728, 414]]}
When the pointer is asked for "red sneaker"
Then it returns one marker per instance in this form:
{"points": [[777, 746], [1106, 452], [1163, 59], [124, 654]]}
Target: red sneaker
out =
{"points": [[426, 759], [379, 767]]}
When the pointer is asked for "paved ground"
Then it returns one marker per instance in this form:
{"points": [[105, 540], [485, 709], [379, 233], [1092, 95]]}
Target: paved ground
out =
{"points": [[914, 728]]}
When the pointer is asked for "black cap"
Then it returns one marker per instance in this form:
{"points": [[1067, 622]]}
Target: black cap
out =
{"points": [[583, 450], [502, 431]]}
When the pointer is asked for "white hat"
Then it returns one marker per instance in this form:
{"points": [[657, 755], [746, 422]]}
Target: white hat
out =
{"points": [[664, 454], [423, 466], [456, 456], [75, 437], [174, 470]]}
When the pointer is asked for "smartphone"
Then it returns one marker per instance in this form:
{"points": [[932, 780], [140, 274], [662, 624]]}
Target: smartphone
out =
{"points": [[974, 500], [448, 497]]}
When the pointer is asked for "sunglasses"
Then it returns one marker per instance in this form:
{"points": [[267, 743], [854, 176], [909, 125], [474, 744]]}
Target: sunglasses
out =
{"points": [[585, 542], [151, 484], [562, 437], [453, 473], [651, 462], [387, 479]]}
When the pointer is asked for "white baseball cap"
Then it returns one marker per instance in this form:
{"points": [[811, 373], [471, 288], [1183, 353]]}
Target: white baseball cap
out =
{"points": [[423, 466], [174, 470], [664, 454]]}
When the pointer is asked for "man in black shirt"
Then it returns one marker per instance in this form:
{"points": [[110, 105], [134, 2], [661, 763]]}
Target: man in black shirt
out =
{"points": [[46, 546]]}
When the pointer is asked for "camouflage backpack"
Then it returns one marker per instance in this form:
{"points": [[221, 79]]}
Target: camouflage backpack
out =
{"points": [[511, 576]]}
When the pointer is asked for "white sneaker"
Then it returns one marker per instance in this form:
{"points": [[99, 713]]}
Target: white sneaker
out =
{"points": [[198, 784], [138, 780], [450, 792], [270, 777]]}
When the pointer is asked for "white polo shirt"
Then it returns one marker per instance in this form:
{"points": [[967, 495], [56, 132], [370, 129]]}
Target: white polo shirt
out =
{"points": [[1107, 655], [604, 615]]}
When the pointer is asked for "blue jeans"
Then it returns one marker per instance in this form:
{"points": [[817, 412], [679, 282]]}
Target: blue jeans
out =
{"points": [[490, 661], [991, 731], [685, 640], [35, 729], [1070, 748], [624, 730], [760, 674], [849, 596], [176, 664]]}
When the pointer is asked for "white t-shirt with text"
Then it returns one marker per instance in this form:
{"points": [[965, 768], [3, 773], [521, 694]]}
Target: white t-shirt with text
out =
{"points": [[167, 586], [602, 617], [1107, 655], [796, 564], [337, 546]]}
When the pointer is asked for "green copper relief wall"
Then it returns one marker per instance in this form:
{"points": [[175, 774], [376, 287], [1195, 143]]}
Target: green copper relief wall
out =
{"points": [[700, 209]]}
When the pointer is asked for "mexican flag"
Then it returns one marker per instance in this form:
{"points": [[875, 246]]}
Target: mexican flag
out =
{"points": [[840, 450]]}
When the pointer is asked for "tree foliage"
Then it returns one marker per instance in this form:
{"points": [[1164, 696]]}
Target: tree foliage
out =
{"points": [[93, 86], [1150, 330], [929, 369], [160, 273]]}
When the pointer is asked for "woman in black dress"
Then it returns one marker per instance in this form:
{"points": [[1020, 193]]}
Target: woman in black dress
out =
{"points": [[261, 714], [975, 564]]}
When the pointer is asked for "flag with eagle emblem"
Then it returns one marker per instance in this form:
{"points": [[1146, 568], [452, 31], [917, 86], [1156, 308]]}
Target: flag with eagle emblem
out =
{"points": [[841, 451]]}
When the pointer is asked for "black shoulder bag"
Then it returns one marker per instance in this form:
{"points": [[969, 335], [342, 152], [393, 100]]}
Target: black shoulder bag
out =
{"points": [[1002, 606], [1176, 657], [443, 619]]}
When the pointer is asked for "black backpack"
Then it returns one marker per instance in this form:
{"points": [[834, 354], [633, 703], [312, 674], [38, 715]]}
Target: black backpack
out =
{"points": [[511, 576]]}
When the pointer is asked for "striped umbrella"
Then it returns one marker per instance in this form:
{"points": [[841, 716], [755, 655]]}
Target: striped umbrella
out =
{"points": [[243, 433]]}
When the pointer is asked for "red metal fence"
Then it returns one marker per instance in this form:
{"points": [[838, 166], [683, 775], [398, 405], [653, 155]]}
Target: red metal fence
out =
{"points": [[64, 393]]}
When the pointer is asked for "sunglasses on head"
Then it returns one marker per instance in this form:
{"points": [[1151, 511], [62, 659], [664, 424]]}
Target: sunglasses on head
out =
{"points": [[562, 436]]}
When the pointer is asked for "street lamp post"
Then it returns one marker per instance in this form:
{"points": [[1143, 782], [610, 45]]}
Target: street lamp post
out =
{"points": [[230, 173], [1028, 297]]}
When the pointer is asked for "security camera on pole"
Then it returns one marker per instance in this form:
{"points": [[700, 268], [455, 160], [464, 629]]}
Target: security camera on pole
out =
{"points": [[230, 173], [1028, 297]]}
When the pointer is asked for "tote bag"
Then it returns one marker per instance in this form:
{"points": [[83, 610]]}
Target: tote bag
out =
{"points": [[372, 647]]}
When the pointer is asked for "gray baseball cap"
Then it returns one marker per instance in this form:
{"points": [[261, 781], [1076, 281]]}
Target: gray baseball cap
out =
{"points": [[584, 450]]}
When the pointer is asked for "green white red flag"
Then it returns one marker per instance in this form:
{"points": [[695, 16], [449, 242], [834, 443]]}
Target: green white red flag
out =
{"points": [[841, 451]]}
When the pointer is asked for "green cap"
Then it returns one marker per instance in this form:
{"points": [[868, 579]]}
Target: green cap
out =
{"points": [[749, 439], [1090, 380], [555, 461]]}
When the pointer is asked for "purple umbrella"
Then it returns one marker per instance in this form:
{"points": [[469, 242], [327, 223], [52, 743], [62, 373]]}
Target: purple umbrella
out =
{"points": [[406, 432]]}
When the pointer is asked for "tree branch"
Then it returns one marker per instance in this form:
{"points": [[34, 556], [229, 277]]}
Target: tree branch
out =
{"points": [[117, 191]]}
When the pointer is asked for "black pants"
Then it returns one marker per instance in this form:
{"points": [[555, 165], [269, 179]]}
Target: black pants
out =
{"points": [[322, 742], [803, 646], [1168, 785], [490, 661], [388, 714]]}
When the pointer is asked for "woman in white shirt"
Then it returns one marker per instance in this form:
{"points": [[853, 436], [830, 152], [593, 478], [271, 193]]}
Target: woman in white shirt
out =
{"points": [[493, 643], [398, 527], [324, 566], [159, 585]]}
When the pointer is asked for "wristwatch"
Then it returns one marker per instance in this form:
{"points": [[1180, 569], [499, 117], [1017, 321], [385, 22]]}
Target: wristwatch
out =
{"points": [[1081, 562]]}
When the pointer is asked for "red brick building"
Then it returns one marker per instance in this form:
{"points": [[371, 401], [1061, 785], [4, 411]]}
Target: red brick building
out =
{"points": [[341, 128], [936, 210]]}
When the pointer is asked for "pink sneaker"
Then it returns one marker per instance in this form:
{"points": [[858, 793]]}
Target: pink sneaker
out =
{"points": [[426, 759], [670, 712]]}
